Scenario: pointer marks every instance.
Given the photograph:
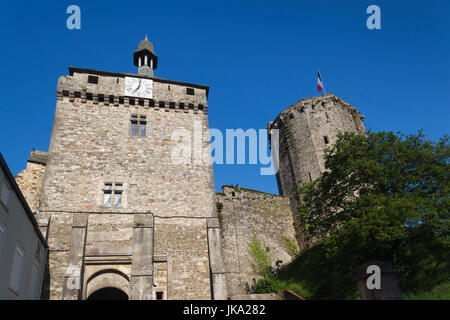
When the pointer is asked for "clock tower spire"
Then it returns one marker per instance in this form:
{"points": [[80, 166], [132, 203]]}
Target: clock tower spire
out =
{"points": [[145, 58]]}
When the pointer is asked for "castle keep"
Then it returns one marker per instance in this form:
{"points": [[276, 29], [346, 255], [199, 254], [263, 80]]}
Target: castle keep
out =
{"points": [[123, 221]]}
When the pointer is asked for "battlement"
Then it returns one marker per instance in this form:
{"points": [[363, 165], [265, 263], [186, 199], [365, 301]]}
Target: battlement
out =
{"points": [[37, 156], [108, 89], [315, 104]]}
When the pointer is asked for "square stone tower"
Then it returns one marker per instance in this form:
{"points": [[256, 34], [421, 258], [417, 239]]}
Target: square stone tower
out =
{"points": [[122, 218]]}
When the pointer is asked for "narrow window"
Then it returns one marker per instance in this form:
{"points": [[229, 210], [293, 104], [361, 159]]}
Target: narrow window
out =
{"points": [[134, 125], [142, 126], [92, 79], [325, 139], [118, 195], [4, 194], [38, 250], [16, 270], [169, 87], [233, 193], [190, 91], [159, 295], [33, 288], [2, 235], [327, 115], [107, 194], [310, 179]]}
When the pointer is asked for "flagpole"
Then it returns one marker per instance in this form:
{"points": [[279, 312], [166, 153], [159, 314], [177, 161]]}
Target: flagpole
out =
{"points": [[323, 82]]}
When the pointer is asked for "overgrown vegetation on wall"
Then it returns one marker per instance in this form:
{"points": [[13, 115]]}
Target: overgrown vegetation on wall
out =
{"points": [[260, 254], [383, 197]]}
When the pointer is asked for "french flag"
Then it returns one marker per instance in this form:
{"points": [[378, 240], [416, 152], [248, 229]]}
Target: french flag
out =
{"points": [[319, 82]]}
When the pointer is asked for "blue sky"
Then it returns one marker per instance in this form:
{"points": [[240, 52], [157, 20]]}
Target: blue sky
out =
{"points": [[258, 57]]}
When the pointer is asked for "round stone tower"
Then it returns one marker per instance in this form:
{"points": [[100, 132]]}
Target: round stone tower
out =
{"points": [[305, 129]]}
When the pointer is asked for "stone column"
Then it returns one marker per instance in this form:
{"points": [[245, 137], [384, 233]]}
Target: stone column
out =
{"points": [[142, 258], [219, 285], [76, 258], [388, 289]]}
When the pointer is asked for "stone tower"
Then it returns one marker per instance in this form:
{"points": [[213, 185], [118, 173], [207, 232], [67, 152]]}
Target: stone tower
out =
{"points": [[305, 129], [122, 219]]}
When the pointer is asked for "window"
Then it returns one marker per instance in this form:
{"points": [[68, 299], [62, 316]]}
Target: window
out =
{"points": [[325, 139], [112, 195], [190, 91], [5, 194], [159, 295], [38, 250], [33, 292], [92, 79], [138, 125], [16, 270], [2, 236]]}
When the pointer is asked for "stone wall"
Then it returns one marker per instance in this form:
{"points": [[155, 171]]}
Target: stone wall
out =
{"points": [[246, 213], [306, 129], [30, 180], [163, 220]]}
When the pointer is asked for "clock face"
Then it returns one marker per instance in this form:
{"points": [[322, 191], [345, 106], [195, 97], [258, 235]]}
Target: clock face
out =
{"points": [[138, 87]]}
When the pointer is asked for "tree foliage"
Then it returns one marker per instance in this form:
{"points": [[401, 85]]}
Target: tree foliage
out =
{"points": [[378, 192]]}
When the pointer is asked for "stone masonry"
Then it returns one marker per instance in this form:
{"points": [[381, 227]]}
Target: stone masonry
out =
{"points": [[171, 236], [306, 129], [165, 219], [30, 180], [246, 213]]}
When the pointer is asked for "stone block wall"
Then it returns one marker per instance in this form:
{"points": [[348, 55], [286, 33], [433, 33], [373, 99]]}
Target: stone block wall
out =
{"points": [[162, 221], [30, 180], [246, 213]]}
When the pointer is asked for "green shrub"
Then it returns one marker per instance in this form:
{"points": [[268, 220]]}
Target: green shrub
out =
{"points": [[260, 254]]}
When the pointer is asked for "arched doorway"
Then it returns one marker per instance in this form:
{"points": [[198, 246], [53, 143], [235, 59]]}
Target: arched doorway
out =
{"points": [[108, 293], [107, 284]]}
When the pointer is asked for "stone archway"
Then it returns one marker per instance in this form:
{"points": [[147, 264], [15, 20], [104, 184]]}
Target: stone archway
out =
{"points": [[108, 293], [108, 284]]}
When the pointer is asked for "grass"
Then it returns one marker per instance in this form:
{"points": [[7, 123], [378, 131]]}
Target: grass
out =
{"points": [[423, 274], [439, 292]]}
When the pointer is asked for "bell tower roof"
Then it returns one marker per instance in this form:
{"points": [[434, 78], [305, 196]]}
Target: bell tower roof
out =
{"points": [[145, 48]]}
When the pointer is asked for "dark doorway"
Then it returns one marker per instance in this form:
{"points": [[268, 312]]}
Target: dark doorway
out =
{"points": [[108, 293]]}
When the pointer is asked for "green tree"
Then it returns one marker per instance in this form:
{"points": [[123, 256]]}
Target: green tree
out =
{"points": [[378, 192]]}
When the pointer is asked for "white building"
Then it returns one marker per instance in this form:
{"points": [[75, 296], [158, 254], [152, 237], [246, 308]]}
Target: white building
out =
{"points": [[23, 249]]}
